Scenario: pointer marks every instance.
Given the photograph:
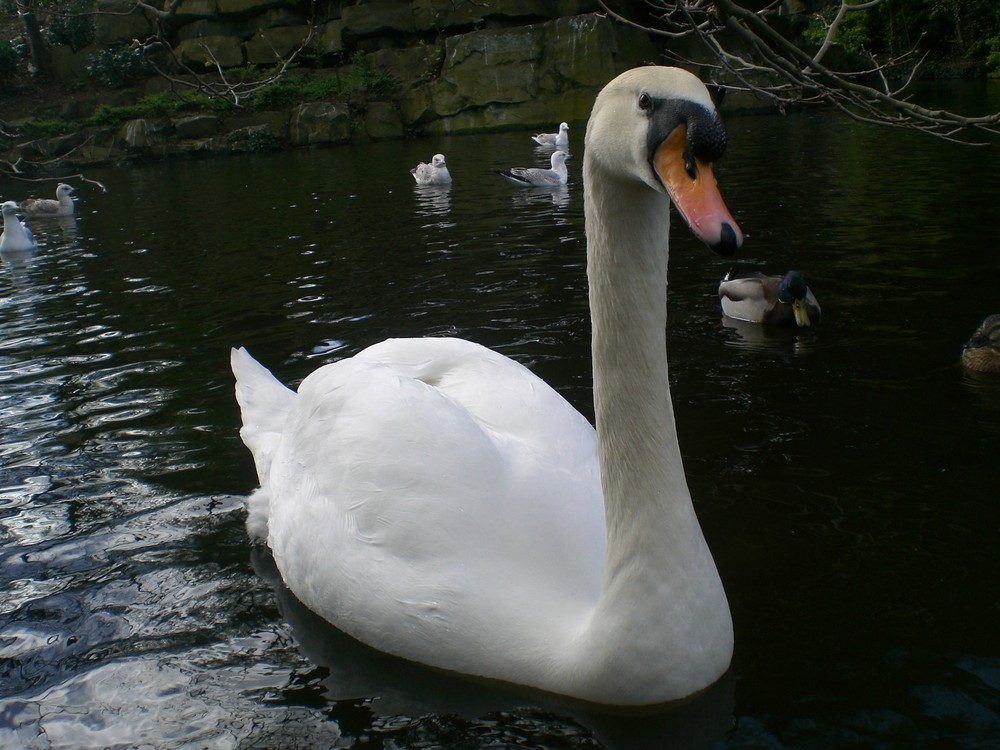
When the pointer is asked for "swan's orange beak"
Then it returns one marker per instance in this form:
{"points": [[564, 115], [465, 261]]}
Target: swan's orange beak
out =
{"points": [[697, 198]]}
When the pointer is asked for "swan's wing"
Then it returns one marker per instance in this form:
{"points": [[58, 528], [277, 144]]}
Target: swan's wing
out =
{"points": [[498, 393], [433, 478]]}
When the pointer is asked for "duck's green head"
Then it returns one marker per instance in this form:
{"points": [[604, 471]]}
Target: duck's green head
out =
{"points": [[792, 287], [792, 290]]}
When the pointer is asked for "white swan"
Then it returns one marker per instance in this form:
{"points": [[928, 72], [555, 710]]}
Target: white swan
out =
{"points": [[558, 140], [46, 207], [16, 236], [437, 501], [435, 173], [536, 177]]}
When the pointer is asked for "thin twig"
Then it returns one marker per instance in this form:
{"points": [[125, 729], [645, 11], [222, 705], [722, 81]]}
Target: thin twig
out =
{"points": [[776, 70]]}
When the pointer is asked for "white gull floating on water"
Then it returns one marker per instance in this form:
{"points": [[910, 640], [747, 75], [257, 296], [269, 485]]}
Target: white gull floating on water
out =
{"points": [[537, 177], [46, 207], [435, 173], [558, 140], [16, 236]]}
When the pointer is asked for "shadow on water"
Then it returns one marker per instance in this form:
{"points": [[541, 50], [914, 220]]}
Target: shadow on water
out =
{"points": [[843, 475]]}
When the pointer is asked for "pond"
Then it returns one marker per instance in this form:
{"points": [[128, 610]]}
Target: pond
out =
{"points": [[842, 474]]}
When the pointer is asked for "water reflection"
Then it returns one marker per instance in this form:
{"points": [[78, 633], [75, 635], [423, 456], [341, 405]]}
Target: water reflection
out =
{"points": [[755, 337], [557, 196], [17, 263], [433, 200]]}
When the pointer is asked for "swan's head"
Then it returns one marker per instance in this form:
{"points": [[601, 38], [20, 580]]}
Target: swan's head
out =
{"points": [[438, 160], [659, 125]]}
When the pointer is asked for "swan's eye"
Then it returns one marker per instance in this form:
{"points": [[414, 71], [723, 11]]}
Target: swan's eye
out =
{"points": [[645, 102], [690, 168]]}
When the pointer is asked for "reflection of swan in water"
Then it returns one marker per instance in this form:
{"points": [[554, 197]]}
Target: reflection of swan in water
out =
{"points": [[392, 687], [433, 200], [438, 501]]}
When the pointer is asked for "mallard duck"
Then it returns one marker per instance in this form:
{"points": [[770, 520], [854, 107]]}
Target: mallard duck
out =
{"points": [[537, 177], [16, 236], [772, 300], [42, 208], [435, 173], [438, 501], [981, 353], [558, 140]]}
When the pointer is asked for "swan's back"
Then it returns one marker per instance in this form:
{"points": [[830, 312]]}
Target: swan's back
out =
{"points": [[430, 480]]}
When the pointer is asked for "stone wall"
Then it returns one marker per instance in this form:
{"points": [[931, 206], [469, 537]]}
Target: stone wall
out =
{"points": [[457, 66]]}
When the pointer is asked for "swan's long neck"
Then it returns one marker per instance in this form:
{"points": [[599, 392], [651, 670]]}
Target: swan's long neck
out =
{"points": [[662, 600], [642, 476]]}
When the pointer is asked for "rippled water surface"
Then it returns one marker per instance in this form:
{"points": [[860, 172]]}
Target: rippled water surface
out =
{"points": [[844, 476]]}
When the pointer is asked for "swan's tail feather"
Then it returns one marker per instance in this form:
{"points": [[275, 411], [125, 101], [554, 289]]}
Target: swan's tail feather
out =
{"points": [[264, 405], [258, 511]]}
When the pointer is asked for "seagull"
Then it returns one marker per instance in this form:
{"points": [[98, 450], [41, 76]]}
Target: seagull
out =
{"points": [[46, 207], [435, 173], [16, 236], [536, 177], [558, 140]]}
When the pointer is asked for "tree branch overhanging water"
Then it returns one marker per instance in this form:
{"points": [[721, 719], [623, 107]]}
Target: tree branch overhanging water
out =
{"points": [[746, 53]]}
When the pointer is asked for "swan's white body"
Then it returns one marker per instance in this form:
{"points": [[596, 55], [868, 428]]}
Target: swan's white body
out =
{"points": [[16, 236], [435, 173], [558, 140], [437, 501], [47, 208], [536, 177]]}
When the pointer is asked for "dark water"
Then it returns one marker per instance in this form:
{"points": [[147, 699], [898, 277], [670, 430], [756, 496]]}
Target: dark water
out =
{"points": [[844, 476]]}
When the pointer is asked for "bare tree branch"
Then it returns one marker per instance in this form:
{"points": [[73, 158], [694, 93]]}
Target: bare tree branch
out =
{"points": [[217, 85], [14, 170], [160, 56], [775, 69]]}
